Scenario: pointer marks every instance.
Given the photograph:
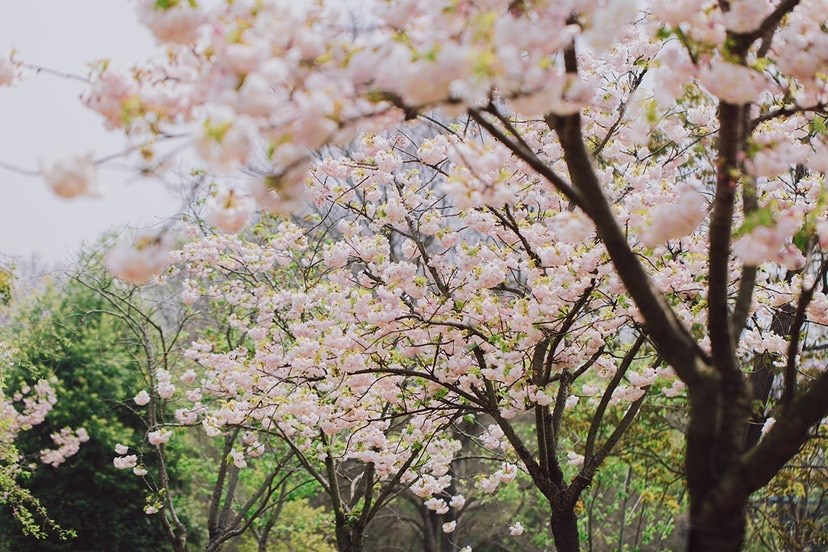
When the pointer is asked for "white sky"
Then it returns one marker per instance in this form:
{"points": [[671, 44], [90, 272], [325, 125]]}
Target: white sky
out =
{"points": [[41, 118]]}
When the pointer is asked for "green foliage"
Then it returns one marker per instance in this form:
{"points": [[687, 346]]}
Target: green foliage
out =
{"points": [[32, 517], [790, 513], [760, 217], [66, 334], [819, 125], [299, 526], [6, 280]]}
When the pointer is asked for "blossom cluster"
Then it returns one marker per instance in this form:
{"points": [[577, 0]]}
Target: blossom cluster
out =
{"points": [[29, 407]]}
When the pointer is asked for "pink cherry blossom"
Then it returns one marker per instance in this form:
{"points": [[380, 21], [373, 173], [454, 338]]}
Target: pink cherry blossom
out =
{"points": [[229, 211], [68, 443], [746, 15], [179, 22], [282, 193], [493, 179], [138, 260], [733, 83], [238, 459], [142, 398], [676, 219], [226, 139], [516, 529], [675, 12], [72, 177], [159, 437], [8, 71], [125, 462]]}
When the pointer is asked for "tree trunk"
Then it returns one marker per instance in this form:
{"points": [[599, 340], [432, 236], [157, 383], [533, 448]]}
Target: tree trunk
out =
{"points": [[180, 542], [262, 538], [429, 541], [565, 531], [442, 541], [349, 539], [717, 529]]}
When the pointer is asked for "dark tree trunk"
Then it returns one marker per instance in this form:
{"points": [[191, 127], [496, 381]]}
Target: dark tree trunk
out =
{"points": [[265, 536], [349, 539], [180, 543], [440, 541], [429, 540], [446, 544], [717, 530], [565, 531]]}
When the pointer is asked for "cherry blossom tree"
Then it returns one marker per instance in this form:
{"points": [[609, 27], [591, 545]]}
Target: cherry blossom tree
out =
{"points": [[156, 326], [269, 411], [678, 147], [364, 437], [500, 302], [436, 304]]}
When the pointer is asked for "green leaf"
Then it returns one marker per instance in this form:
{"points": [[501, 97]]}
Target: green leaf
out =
{"points": [[802, 240], [819, 125], [652, 112], [760, 217], [761, 64], [663, 33]]}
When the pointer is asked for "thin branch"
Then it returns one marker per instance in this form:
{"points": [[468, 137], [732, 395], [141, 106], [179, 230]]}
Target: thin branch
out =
{"points": [[821, 108], [589, 449], [668, 333], [531, 159], [789, 389], [758, 466]]}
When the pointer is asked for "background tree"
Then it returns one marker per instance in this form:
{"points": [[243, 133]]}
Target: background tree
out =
{"points": [[158, 325], [30, 516], [63, 334]]}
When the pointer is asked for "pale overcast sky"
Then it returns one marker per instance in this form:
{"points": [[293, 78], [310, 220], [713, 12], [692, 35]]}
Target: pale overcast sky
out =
{"points": [[41, 118]]}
